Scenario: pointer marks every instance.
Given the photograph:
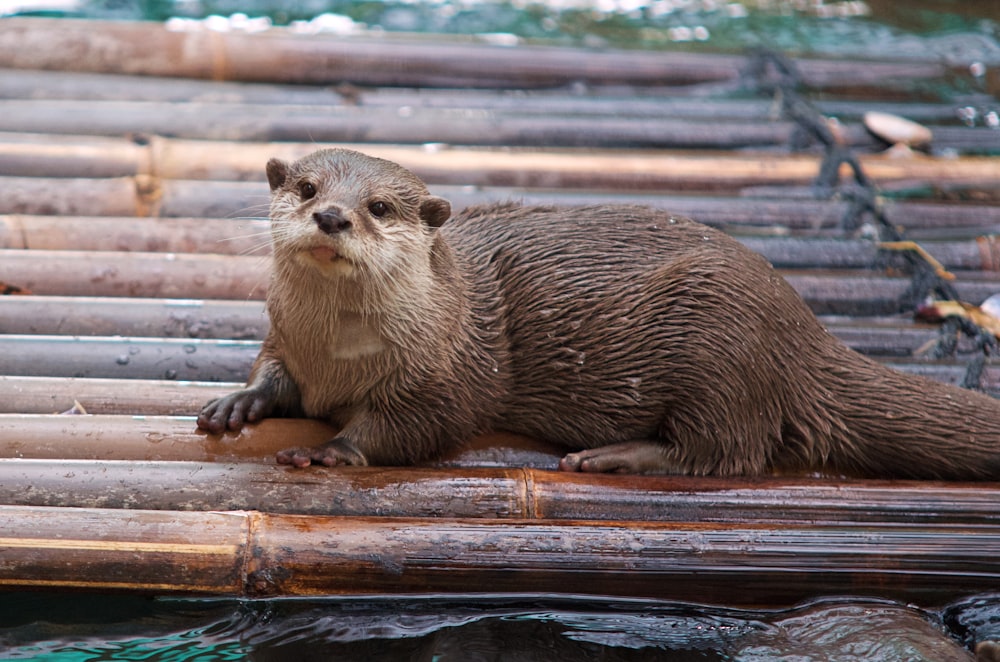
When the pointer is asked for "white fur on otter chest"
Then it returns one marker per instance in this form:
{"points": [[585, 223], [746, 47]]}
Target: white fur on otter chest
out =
{"points": [[335, 361]]}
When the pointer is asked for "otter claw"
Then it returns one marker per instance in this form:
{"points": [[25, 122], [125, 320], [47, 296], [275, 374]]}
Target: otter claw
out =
{"points": [[232, 411]]}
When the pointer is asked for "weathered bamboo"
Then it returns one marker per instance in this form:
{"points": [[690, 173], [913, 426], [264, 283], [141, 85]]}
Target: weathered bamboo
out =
{"points": [[230, 361], [52, 395], [149, 438], [525, 168], [260, 555], [143, 48], [200, 276], [511, 492], [108, 273], [252, 237], [119, 316], [160, 235], [229, 200], [408, 125], [191, 359], [597, 102], [246, 320]]}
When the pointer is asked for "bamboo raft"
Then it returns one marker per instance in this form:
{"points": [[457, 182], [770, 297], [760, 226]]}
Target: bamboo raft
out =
{"points": [[132, 240]]}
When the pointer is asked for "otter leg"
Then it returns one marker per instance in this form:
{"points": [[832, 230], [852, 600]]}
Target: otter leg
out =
{"points": [[633, 457], [269, 390], [337, 451]]}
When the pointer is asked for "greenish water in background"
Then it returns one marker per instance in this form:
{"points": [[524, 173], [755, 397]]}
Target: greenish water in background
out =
{"points": [[959, 30]]}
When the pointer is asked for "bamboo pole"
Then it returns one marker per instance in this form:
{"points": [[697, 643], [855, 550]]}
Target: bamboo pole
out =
{"points": [[252, 237], [511, 492], [132, 317], [201, 276], [108, 273], [217, 205], [250, 554], [589, 169], [136, 234], [174, 159], [52, 395], [247, 320], [596, 102], [409, 125], [150, 438], [191, 359], [148, 49]]}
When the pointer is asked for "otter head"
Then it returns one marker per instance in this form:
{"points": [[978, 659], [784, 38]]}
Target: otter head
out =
{"points": [[346, 215]]}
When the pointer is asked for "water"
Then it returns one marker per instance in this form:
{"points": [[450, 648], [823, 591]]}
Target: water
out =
{"points": [[80, 628]]}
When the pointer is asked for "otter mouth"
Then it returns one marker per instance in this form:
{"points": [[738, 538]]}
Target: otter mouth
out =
{"points": [[324, 254]]}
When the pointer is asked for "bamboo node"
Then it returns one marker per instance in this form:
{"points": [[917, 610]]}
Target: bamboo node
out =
{"points": [[148, 195]]}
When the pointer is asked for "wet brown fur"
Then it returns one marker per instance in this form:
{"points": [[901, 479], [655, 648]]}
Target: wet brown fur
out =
{"points": [[586, 327]]}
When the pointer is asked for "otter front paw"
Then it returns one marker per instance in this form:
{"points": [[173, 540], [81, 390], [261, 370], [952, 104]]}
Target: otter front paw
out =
{"points": [[339, 451], [232, 411]]}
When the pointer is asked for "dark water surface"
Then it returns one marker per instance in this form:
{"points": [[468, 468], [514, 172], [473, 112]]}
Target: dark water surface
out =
{"points": [[80, 627]]}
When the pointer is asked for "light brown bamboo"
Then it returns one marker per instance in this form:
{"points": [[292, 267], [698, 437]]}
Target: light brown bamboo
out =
{"points": [[174, 159], [251, 554], [132, 317], [141, 397], [136, 234], [565, 168], [108, 273], [144, 48], [150, 438]]}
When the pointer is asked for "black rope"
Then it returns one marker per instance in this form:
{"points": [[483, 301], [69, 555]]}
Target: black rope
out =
{"points": [[772, 73]]}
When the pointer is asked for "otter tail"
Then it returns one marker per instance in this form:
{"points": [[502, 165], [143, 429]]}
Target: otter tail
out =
{"points": [[890, 424]]}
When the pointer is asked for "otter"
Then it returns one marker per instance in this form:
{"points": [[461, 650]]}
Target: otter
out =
{"points": [[642, 341]]}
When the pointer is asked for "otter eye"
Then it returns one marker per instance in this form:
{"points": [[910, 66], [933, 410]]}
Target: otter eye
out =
{"points": [[378, 208], [307, 190]]}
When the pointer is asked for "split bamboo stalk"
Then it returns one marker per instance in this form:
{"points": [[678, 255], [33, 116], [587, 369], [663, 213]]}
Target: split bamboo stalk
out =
{"points": [[251, 554], [160, 235], [172, 359], [512, 492], [119, 316], [278, 55], [137, 397], [597, 102]]}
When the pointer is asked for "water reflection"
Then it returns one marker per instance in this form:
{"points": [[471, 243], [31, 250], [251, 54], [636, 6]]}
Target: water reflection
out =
{"points": [[82, 627]]}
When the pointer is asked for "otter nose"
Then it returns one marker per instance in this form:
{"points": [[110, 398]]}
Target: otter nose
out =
{"points": [[331, 221]]}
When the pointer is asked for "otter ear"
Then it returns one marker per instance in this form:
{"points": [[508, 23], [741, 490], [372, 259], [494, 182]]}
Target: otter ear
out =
{"points": [[277, 173], [434, 211]]}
